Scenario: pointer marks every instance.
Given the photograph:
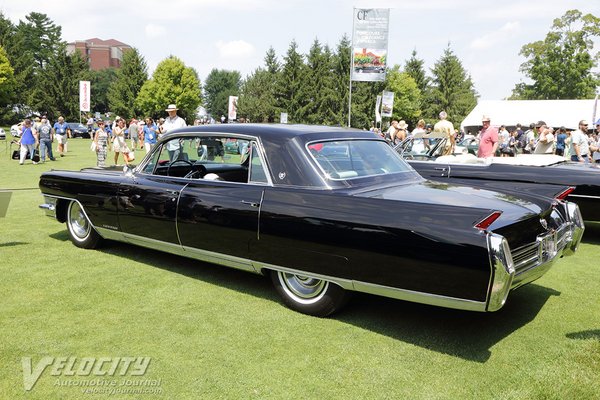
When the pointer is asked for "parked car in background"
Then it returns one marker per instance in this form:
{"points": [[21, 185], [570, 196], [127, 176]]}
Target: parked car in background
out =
{"points": [[78, 130], [322, 211], [465, 168], [15, 130], [2, 134]]}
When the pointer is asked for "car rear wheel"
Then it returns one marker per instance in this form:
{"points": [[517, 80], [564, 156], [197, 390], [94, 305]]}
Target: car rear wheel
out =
{"points": [[81, 232], [308, 295]]}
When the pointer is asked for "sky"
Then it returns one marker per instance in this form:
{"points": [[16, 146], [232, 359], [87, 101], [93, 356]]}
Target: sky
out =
{"points": [[235, 34]]}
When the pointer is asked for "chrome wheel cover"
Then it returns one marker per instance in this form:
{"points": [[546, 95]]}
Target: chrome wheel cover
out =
{"points": [[78, 222], [302, 289]]}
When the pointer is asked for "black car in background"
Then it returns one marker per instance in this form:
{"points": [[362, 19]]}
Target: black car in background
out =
{"points": [[78, 130]]}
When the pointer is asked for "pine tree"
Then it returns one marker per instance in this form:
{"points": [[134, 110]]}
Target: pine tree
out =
{"points": [[128, 82], [452, 89], [414, 68], [290, 81]]}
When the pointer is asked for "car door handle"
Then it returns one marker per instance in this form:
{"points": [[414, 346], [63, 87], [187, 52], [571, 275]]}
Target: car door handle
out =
{"points": [[250, 203]]}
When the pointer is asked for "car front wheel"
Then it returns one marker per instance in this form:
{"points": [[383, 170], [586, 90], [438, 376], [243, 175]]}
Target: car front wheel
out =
{"points": [[308, 295], [81, 232]]}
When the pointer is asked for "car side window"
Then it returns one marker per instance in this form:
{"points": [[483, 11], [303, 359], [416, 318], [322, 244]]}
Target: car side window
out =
{"points": [[257, 169]]}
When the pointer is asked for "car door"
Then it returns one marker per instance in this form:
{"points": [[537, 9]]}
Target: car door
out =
{"points": [[147, 202], [221, 216]]}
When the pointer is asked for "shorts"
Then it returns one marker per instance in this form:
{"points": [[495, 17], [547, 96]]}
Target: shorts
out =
{"points": [[61, 139]]}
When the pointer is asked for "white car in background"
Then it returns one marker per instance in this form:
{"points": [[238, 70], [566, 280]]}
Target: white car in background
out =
{"points": [[15, 130], [2, 134]]}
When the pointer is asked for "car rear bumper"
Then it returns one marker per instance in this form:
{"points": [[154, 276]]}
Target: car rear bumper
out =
{"points": [[512, 269]]}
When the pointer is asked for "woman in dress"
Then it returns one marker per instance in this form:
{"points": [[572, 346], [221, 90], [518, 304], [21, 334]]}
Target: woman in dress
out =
{"points": [[119, 145], [101, 140]]}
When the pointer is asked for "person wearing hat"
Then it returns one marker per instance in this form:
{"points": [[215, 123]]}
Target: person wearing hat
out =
{"points": [[402, 131], [173, 121], [447, 128], [488, 142]]}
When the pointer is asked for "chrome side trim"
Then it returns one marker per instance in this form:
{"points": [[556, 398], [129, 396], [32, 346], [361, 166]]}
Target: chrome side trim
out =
{"points": [[584, 196], [420, 297], [386, 291], [502, 271], [184, 251]]}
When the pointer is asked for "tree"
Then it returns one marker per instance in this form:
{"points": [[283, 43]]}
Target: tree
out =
{"points": [[100, 83], [317, 93], [171, 83], [7, 79], [452, 89], [561, 65], [128, 82], [407, 96], [258, 99], [414, 68], [42, 38], [219, 85], [22, 62], [58, 90], [290, 81], [341, 76]]}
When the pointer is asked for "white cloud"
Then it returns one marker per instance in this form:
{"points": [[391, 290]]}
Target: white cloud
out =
{"points": [[154, 31], [509, 30], [234, 49]]}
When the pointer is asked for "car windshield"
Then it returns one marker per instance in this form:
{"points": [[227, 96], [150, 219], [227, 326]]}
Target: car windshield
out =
{"points": [[347, 159]]}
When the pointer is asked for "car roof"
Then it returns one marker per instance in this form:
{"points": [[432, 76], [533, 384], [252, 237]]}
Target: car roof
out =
{"points": [[276, 131]]}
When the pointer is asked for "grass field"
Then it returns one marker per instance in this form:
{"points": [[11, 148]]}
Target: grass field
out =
{"points": [[216, 333]]}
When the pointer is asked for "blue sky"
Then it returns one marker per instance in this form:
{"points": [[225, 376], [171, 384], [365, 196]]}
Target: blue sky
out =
{"points": [[234, 35]]}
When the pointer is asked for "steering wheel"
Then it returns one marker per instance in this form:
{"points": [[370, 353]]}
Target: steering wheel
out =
{"points": [[175, 162]]}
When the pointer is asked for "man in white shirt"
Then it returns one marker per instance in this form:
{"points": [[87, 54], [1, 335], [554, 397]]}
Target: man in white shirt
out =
{"points": [[173, 121], [545, 144], [579, 143]]}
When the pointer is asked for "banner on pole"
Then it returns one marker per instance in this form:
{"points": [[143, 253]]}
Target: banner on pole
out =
{"points": [[387, 105], [370, 44], [84, 96], [377, 110], [232, 109]]}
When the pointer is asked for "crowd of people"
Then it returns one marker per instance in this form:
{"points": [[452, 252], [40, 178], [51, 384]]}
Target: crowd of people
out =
{"points": [[37, 136], [578, 145]]}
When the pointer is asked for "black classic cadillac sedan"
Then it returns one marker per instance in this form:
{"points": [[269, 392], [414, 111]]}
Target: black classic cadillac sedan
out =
{"points": [[322, 211]]}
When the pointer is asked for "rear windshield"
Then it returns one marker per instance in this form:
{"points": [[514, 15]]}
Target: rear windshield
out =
{"points": [[348, 159]]}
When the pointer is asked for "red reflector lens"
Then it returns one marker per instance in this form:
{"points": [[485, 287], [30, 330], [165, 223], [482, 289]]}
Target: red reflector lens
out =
{"points": [[487, 221], [565, 193]]}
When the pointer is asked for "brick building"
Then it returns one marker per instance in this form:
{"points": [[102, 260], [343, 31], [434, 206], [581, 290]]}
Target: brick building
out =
{"points": [[99, 53]]}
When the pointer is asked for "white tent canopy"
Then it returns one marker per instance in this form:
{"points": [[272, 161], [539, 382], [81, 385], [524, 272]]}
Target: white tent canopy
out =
{"points": [[555, 113]]}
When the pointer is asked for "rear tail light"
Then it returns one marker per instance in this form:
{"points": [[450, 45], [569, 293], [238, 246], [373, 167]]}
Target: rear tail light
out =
{"points": [[487, 221], [564, 194]]}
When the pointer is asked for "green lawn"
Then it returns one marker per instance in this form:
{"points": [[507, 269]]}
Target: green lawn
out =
{"points": [[217, 333]]}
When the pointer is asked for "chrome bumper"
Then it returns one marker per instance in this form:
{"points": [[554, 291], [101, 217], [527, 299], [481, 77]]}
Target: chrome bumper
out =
{"points": [[511, 270], [49, 206]]}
